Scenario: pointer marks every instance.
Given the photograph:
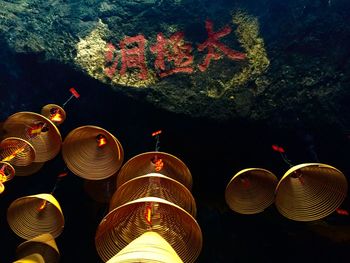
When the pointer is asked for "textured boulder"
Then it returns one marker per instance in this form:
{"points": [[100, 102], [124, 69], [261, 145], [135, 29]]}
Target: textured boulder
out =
{"points": [[280, 61]]}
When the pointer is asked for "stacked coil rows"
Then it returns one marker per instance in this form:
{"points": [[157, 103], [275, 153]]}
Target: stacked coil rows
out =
{"points": [[152, 213], [306, 192], [29, 140]]}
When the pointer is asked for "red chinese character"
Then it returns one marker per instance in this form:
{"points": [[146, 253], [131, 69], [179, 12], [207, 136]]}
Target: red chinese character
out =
{"points": [[109, 59], [176, 51], [133, 55], [213, 44]]}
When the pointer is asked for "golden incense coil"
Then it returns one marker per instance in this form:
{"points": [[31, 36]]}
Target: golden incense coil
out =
{"points": [[7, 172], [31, 216], [129, 221], [30, 169], [17, 151], [33, 258], [44, 245], [2, 187], [55, 113], [251, 191], [148, 162], [39, 131], [85, 158], [101, 190], [150, 247], [154, 185], [310, 191]]}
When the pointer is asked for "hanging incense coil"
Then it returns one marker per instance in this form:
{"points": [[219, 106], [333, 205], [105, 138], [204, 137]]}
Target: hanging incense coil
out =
{"points": [[101, 190], [251, 191], [17, 151], [7, 172], [129, 221], [39, 131], [310, 191], [54, 113], [155, 162], [85, 158], [30, 169], [44, 245], [33, 258], [2, 187], [147, 248], [154, 185], [33, 215]]}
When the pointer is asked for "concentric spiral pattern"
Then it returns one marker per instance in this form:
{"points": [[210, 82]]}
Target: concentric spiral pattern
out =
{"points": [[47, 143], [54, 112], [127, 222], [44, 245], [154, 185], [31, 216], [251, 191], [29, 169], [33, 258], [149, 247], [17, 151], [7, 172], [86, 159], [310, 191], [144, 164]]}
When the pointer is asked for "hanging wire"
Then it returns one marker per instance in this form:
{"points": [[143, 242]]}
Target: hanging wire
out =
{"points": [[282, 153], [58, 180], [156, 134], [75, 94]]}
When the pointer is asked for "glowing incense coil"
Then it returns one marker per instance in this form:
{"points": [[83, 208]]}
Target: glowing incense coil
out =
{"points": [[145, 163], [17, 151], [29, 169], [101, 190], [33, 258], [147, 248], [2, 187], [154, 185], [39, 131], [31, 216], [44, 245], [7, 172], [54, 112], [251, 191], [127, 222], [85, 158], [310, 191]]}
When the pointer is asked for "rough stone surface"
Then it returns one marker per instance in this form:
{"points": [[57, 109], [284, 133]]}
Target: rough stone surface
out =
{"points": [[306, 45]]}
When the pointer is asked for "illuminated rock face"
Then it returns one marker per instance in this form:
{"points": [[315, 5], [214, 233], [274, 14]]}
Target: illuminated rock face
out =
{"points": [[197, 57]]}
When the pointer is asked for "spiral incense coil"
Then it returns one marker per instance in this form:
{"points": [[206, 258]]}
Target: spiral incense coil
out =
{"points": [[146, 163], [2, 187], [154, 185], [17, 151], [7, 172], [147, 248], [33, 258], [39, 131], [85, 158], [251, 191], [30, 169], [129, 221], [33, 215], [54, 113], [310, 191], [44, 245], [101, 190]]}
